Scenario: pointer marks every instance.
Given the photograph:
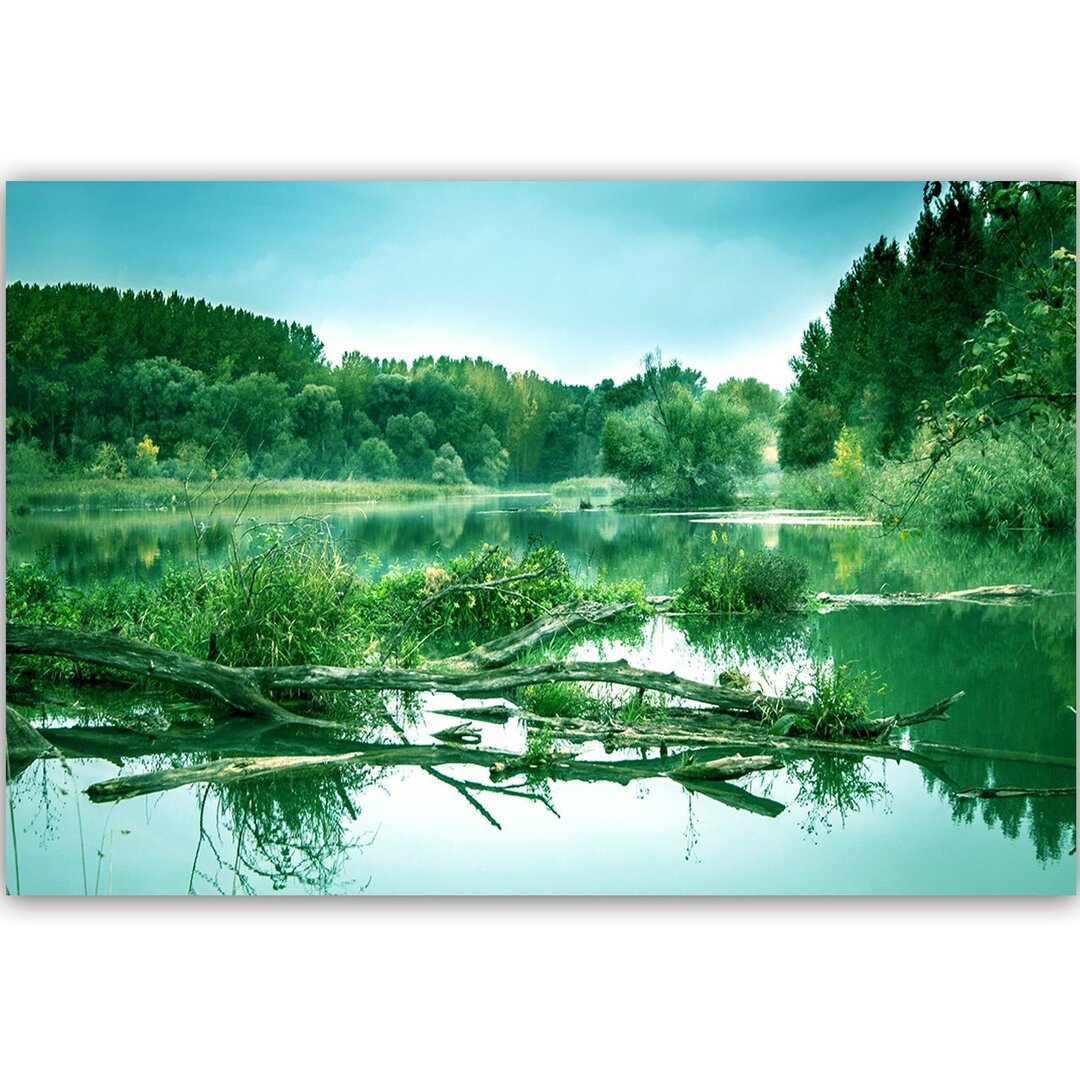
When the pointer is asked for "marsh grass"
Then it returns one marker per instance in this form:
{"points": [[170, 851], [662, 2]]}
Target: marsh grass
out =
{"points": [[288, 596], [1019, 479], [557, 699], [841, 699], [590, 489], [41, 491], [723, 578]]}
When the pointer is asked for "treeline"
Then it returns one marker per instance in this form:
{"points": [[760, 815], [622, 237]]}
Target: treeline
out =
{"points": [[904, 325], [124, 384]]}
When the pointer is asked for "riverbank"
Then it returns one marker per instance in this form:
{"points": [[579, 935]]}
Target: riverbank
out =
{"points": [[86, 493]]}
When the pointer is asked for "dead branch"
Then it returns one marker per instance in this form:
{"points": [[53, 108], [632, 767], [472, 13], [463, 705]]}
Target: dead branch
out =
{"points": [[1012, 793], [563, 619], [985, 594], [247, 689]]}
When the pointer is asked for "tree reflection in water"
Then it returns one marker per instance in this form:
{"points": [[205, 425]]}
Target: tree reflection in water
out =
{"points": [[830, 788], [288, 830]]}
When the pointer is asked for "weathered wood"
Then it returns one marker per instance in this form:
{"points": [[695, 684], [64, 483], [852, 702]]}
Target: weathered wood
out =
{"points": [[1023, 757], [984, 594], [682, 729], [248, 689], [232, 686], [1012, 793], [726, 768], [24, 742], [564, 619], [494, 683], [501, 765], [878, 728], [488, 714], [459, 733], [736, 797]]}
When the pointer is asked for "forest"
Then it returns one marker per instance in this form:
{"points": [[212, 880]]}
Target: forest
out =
{"points": [[951, 359], [123, 384]]}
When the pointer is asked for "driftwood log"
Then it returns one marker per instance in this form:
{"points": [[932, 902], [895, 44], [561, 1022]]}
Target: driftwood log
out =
{"points": [[985, 594], [248, 690], [698, 769]]}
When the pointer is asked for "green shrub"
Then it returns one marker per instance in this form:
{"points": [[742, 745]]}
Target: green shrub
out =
{"points": [[724, 579], [840, 696], [557, 699]]}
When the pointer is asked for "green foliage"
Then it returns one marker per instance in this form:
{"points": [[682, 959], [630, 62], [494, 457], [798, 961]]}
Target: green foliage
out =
{"points": [[725, 579], [820, 488], [1017, 479], [557, 699], [682, 446], [28, 464], [840, 699], [807, 430], [540, 747], [89, 366], [966, 338], [468, 596], [372, 460], [447, 467]]}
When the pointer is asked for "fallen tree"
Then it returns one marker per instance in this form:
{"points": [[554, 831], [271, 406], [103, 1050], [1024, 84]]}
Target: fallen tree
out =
{"points": [[984, 594], [248, 690]]}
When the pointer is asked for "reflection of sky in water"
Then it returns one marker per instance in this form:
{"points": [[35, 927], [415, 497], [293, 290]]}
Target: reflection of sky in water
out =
{"points": [[417, 835]]}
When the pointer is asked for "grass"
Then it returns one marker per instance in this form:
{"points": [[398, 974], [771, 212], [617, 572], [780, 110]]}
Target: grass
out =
{"points": [[288, 597], [1020, 479], [163, 492], [557, 699], [726, 579]]}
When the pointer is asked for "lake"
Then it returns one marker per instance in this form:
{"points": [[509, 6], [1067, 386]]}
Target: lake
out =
{"points": [[827, 826]]}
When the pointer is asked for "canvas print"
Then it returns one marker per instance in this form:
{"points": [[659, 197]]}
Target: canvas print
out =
{"points": [[538, 538]]}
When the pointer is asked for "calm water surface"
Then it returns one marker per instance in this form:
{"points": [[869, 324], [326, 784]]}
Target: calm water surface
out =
{"points": [[819, 827]]}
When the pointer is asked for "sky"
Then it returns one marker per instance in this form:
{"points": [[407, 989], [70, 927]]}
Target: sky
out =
{"points": [[576, 280]]}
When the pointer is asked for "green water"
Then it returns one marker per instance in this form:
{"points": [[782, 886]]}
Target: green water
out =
{"points": [[834, 827]]}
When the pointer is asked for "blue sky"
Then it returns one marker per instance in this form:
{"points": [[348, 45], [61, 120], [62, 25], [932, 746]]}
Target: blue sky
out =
{"points": [[576, 280]]}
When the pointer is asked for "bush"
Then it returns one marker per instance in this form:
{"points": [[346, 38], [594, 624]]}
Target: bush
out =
{"points": [[724, 579], [28, 464], [290, 598], [1024, 479], [447, 467]]}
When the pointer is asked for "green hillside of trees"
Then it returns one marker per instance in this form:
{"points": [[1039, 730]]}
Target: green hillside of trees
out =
{"points": [[124, 384]]}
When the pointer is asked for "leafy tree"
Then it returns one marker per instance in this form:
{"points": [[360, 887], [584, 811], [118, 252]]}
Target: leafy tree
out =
{"points": [[372, 460], [447, 467], [682, 447], [410, 439]]}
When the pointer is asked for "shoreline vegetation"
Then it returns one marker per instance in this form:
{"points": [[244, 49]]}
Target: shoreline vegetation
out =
{"points": [[288, 636]]}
